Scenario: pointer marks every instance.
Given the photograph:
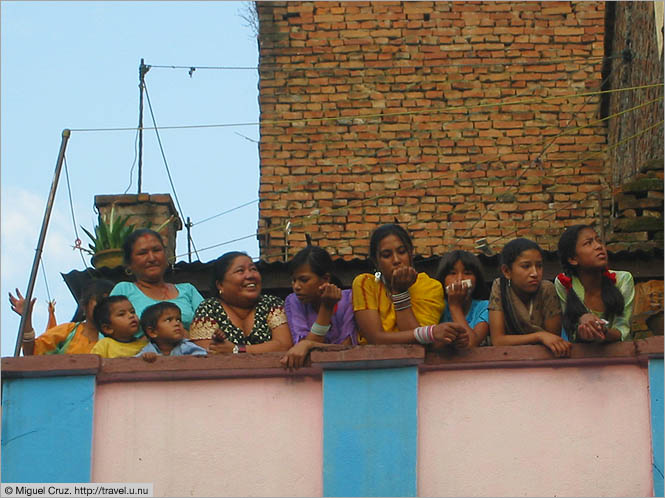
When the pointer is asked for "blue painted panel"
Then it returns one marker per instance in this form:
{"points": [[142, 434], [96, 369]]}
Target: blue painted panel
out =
{"points": [[370, 431], [47, 429], [656, 395]]}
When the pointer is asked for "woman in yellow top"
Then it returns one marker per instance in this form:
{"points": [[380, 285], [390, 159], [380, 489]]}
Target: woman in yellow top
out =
{"points": [[66, 338], [398, 305]]}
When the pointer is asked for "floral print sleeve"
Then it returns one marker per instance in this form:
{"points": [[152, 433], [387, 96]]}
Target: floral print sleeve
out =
{"points": [[211, 316], [207, 319]]}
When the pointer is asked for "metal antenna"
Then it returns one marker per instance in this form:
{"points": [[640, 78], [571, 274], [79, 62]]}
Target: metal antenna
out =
{"points": [[143, 69]]}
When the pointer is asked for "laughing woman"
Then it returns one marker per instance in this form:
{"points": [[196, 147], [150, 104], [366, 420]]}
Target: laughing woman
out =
{"points": [[240, 319]]}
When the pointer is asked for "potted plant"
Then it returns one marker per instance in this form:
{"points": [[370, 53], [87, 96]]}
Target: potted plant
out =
{"points": [[110, 235]]}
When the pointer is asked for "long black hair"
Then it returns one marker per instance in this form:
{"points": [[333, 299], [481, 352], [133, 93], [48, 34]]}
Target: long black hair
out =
{"points": [[381, 233], [470, 262], [319, 262], [511, 251], [611, 296]]}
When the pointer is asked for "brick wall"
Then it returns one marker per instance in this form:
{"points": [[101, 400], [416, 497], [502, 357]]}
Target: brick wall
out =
{"points": [[633, 30], [373, 112]]}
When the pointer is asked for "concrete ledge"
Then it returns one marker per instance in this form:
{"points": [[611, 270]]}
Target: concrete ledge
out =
{"points": [[197, 367], [50, 366], [367, 357], [537, 355], [332, 357]]}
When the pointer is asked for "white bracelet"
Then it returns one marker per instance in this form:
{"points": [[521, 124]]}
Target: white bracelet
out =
{"points": [[320, 330]]}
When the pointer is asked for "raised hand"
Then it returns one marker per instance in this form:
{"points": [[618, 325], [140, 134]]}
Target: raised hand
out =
{"points": [[403, 278], [18, 303], [330, 295]]}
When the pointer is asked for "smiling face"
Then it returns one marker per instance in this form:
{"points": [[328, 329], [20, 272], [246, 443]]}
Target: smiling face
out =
{"points": [[241, 285], [123, 321], [148, 259], [458, 273], [306, 283], [169, 328], [392, 254], [526, 272], [590, 252]]}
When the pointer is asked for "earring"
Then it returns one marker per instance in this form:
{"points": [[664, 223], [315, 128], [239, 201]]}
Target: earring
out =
{"points": [[509, 283], [377, 276], [128, 271], [219, 291]]}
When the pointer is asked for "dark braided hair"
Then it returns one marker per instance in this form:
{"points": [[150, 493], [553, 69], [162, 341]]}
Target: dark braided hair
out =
{"points": [[575, 308], [511, 251]]}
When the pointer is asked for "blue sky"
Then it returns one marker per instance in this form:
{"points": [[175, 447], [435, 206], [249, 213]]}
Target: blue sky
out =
{"points": [[75, 65]]}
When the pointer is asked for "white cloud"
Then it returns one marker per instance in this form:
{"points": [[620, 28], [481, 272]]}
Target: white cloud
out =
{"points": [[22, 215]]}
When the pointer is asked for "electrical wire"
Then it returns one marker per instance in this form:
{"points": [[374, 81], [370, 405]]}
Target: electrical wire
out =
{"points": [[309, 218], [282, 68], [226, 212], [48, 293], [77, 242], [136, 155], [166, 164], [370, 116]]}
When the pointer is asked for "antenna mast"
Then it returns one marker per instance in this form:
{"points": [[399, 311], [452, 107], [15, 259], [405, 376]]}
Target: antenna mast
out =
{"points": [[143, 69]]}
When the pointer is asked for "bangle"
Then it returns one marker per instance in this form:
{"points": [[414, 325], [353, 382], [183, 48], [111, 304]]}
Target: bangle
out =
{"points": [[320, 330], [401, 301], [424, 335], [29, 336]]}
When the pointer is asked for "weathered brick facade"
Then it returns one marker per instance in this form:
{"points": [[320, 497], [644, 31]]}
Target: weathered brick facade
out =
{"points": [[460, 120], [633, 29]]}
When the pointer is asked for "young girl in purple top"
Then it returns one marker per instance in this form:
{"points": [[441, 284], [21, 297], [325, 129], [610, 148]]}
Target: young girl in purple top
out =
{"points": [[318, 311]]}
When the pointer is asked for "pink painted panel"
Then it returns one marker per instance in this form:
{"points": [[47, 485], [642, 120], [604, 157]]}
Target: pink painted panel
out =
{"points": [[226, 437], [569, 431]]}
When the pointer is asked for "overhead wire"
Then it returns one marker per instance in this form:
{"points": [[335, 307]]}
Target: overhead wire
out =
{"points": [[280, 228], [463, 118], [400, 65], [369, 116], [632, 137], [418, 182], [450, 108], [77, 241], [136, 155], [289, 188], [48, 293], [168, 171], [308, 218]]}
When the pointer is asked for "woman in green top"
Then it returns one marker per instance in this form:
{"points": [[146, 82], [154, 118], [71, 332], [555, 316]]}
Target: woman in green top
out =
{"points": [[597, 303]]}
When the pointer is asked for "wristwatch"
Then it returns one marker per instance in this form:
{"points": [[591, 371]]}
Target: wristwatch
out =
{"points": [[239, 349]]}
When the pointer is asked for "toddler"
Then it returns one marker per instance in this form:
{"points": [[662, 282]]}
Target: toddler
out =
{"points": [[162, 324], [117, 320]]}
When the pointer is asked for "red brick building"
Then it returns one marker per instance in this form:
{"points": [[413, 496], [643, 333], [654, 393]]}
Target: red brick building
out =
{"points": [[459, 120]]}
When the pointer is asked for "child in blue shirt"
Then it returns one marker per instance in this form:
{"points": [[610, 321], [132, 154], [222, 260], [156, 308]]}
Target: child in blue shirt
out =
{"points": [[162, 324], [461, 274]]}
